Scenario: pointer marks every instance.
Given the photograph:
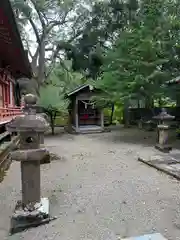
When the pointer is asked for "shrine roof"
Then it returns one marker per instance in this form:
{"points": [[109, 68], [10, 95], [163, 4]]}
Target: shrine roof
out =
{"points": [[12, 53], [173, 81], [78, 89]]}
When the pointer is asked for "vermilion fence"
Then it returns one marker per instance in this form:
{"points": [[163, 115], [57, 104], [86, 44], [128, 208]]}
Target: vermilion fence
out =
{"points": [[9, 112]]}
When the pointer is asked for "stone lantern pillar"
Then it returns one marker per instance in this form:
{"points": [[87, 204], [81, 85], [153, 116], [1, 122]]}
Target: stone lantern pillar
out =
{"points": [[32, 210], [163, 131]]}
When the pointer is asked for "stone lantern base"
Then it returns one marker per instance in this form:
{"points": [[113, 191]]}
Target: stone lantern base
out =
{"points": [[163, 148], [163, 144], [28, 217]]}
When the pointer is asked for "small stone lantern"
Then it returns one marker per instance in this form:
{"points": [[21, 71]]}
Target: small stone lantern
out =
{"points": [[32, 210], [163, 131]]}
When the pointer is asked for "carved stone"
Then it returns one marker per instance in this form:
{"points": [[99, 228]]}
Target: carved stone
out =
{"points": [[30, 127], [163, 131]]}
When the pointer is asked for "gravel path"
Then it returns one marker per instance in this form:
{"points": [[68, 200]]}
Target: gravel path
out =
{"points": [[98, 190]]}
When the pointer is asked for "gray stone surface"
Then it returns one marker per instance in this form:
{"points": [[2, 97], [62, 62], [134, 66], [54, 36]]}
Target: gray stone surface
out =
{"points": [[168, 163], [98, 190], [154, 236]]}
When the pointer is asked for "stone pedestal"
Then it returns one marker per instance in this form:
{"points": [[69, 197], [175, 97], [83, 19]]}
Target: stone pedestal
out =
{"points": [[163, 135], [32, 210]]}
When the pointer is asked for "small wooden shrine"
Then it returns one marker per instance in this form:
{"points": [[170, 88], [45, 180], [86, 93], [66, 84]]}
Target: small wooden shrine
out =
{"points": [[84, 115]]}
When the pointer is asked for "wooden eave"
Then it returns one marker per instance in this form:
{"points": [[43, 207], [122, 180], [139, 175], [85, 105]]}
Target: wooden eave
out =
{"points": [[173, 81], [76, 90], [12, 52]]}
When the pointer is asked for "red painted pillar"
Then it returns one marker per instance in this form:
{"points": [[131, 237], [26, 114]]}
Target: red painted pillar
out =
{"points": [[8, 92], [12, 94], [4, 94]]}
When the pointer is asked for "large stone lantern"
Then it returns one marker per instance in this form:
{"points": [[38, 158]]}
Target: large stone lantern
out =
{"points": [[163, 127], [32, 210]]}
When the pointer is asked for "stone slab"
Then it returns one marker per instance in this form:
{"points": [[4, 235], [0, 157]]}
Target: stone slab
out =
{"points": [[154, 236], [166, 164], [45, 206], [26, 220]]}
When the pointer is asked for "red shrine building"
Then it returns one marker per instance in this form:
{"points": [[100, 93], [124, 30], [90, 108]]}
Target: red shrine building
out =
{"points": [[14, 63]]}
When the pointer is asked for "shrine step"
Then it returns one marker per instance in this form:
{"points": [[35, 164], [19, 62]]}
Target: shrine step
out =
{"points": [[84, 130], [90, 131]]}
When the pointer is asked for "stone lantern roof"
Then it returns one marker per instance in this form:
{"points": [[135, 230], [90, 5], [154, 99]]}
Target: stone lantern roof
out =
{"points": [[29, 121], [163, 115]]}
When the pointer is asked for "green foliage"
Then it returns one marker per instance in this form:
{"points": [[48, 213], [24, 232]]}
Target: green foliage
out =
{"points": [[52, 99], [53, 102], [107, 18], [131, 47], [136, 65], [117, 115], [52, 95], [65, 78]]}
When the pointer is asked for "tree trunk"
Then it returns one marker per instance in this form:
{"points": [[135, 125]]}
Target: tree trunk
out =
{"points": [[178, 98], [112, 113], [126, 115], [41, 63], [149, 102], [34, 62], [52, 121], [160, 102], [52, 124]]}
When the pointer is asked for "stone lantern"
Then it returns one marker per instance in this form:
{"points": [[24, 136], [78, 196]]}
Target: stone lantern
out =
{"points": [[163, 131], [32, 210]]}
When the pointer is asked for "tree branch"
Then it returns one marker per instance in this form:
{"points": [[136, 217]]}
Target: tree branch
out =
{"points": [[35, 30], [49, 49], [53, 60], [54, 23], [55, 54], [34, 61], [39, 14], [28, 48]]}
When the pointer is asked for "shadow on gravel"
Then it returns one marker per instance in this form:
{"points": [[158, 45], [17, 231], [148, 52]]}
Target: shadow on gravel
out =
{"points": [[134, 136]]}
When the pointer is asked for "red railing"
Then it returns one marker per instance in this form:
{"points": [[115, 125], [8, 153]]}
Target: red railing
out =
{"points": [[9, 112]]}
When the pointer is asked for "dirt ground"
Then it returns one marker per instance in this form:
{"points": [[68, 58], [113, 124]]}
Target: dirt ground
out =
{"points": [[98, 190]]}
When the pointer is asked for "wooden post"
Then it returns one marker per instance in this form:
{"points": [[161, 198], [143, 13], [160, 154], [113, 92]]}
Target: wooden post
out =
{"points": [[11, 94], [76, 116]]}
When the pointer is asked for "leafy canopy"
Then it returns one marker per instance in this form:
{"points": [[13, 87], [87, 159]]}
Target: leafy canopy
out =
{"points": [[136, 65]]}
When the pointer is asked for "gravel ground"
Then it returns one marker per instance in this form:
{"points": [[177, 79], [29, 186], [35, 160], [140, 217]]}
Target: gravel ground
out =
{"points": [[98, 190]]}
